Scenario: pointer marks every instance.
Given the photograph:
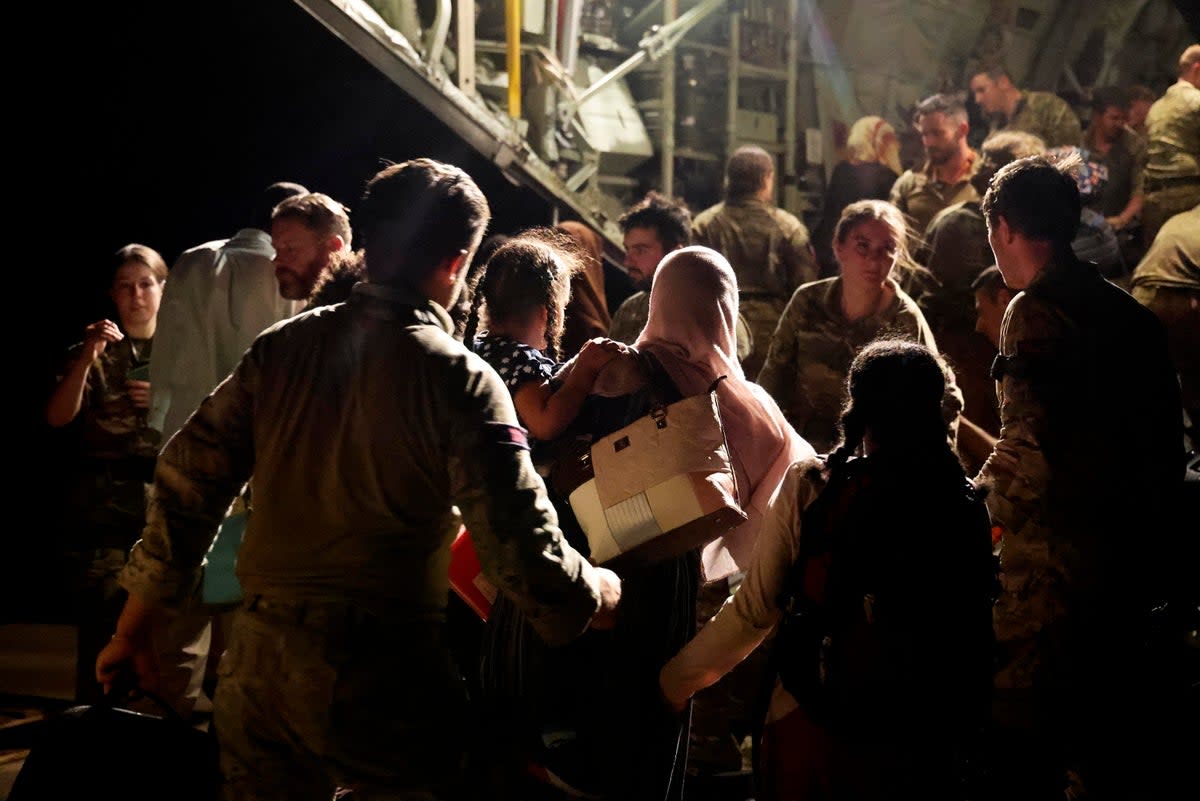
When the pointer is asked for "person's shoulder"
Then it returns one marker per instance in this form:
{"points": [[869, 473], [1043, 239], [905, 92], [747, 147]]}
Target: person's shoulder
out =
{"points": [[202, 254], [815, 291], [635, 301], [907, 180], [786, 220], [804, 479], [1032, 315], [963, 213], [707, 216], [1037, 101]]}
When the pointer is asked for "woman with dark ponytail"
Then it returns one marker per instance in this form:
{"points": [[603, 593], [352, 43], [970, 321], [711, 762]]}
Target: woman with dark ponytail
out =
{"points": [[876, 565]]}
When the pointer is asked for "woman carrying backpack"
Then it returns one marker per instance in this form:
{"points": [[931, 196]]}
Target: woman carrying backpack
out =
{"points": [[878, 571]]}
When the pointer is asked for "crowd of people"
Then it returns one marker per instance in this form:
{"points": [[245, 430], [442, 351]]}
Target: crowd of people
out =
{"points": [[959, 444]]}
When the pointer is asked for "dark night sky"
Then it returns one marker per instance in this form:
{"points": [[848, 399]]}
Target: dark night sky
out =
{"points": [[169, 119]]}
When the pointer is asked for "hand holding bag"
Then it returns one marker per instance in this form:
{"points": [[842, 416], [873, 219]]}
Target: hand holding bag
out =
{"points": [[103, 751], [661, 485]]}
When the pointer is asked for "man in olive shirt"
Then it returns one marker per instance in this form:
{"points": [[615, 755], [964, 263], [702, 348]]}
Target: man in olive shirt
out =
{"points": [[1045, 115], [368, 430], [1172, 177], [945, 178], [769, 249]]}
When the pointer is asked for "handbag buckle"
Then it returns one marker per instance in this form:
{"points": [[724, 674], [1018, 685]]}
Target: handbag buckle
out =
{"points": [[659, 414]]}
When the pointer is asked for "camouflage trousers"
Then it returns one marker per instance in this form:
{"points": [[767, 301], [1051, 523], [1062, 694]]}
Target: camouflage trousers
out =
{"points": [[761, 313], [314, 696]]}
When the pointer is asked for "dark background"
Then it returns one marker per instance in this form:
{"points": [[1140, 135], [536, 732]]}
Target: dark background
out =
{"points": [[161, 123], [168, 120]]}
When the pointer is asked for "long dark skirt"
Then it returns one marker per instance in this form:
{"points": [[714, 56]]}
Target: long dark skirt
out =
{"points": [[588, 715]]}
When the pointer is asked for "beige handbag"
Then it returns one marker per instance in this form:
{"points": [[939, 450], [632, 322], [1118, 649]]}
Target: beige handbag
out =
{"points": [[660, 486]]}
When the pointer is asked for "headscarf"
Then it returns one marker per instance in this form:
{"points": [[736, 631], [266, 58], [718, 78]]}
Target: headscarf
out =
{"points": [[587, 312], [874, 139], [691, 332]]}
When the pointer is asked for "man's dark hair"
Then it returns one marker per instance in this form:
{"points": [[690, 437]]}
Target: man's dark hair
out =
{"points": [[317, 212], [1005, 147], [415, 215], [949, 104], [747, 171], [1037, 197], [1143, 93], [272, 196], [1108, 97], [670, 220], [990, 280], [993, 69]]}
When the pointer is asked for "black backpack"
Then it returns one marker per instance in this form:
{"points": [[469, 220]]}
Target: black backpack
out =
{"points": [[887, 609]]}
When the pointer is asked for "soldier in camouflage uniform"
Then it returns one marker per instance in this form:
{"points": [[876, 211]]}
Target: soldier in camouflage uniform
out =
{"points": [[956, 251], [653, 227], [769, 249], [101, 396], [945, 178], [1172, 177], [1087, 394], [827, 322], [369, 430], [1042, 114]]}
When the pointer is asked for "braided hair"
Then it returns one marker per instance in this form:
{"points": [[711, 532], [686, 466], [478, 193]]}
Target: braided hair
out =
{"points": [[530, 271], [895, 389]]}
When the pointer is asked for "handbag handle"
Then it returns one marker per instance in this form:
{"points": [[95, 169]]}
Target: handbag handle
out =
{"points": [[126, 689]]}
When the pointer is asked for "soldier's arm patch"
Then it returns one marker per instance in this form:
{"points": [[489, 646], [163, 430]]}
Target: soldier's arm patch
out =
{"points": [[497, 433]]}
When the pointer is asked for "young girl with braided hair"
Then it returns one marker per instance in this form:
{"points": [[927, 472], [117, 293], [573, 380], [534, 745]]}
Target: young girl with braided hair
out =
{"points": [[521, 295]]}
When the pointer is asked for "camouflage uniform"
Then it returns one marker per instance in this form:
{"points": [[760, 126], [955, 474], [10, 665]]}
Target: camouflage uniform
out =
{"points": [[105, 506], [1046, 116], [956, 251], [1167, 281], [367, 429], [810, 356], [630, 318], [1087, 394], [920, 195], [771, 255], [1172, 176]]}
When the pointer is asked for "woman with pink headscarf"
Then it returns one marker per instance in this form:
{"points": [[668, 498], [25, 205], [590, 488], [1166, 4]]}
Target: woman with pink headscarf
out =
{"points": [[691, 333]]}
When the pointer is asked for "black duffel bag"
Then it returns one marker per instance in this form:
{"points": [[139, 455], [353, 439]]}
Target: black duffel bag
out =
{"points": [[105, 751]]}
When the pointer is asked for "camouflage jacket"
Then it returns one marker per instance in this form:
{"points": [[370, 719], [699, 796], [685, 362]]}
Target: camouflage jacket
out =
{"points": [[630, 319], [368, 429], [111, 427], [1087, 394], [920, 195], [768, 248], [956, 250], [1047, 116], [104, 494], [1173, 134], [810, 356]]}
